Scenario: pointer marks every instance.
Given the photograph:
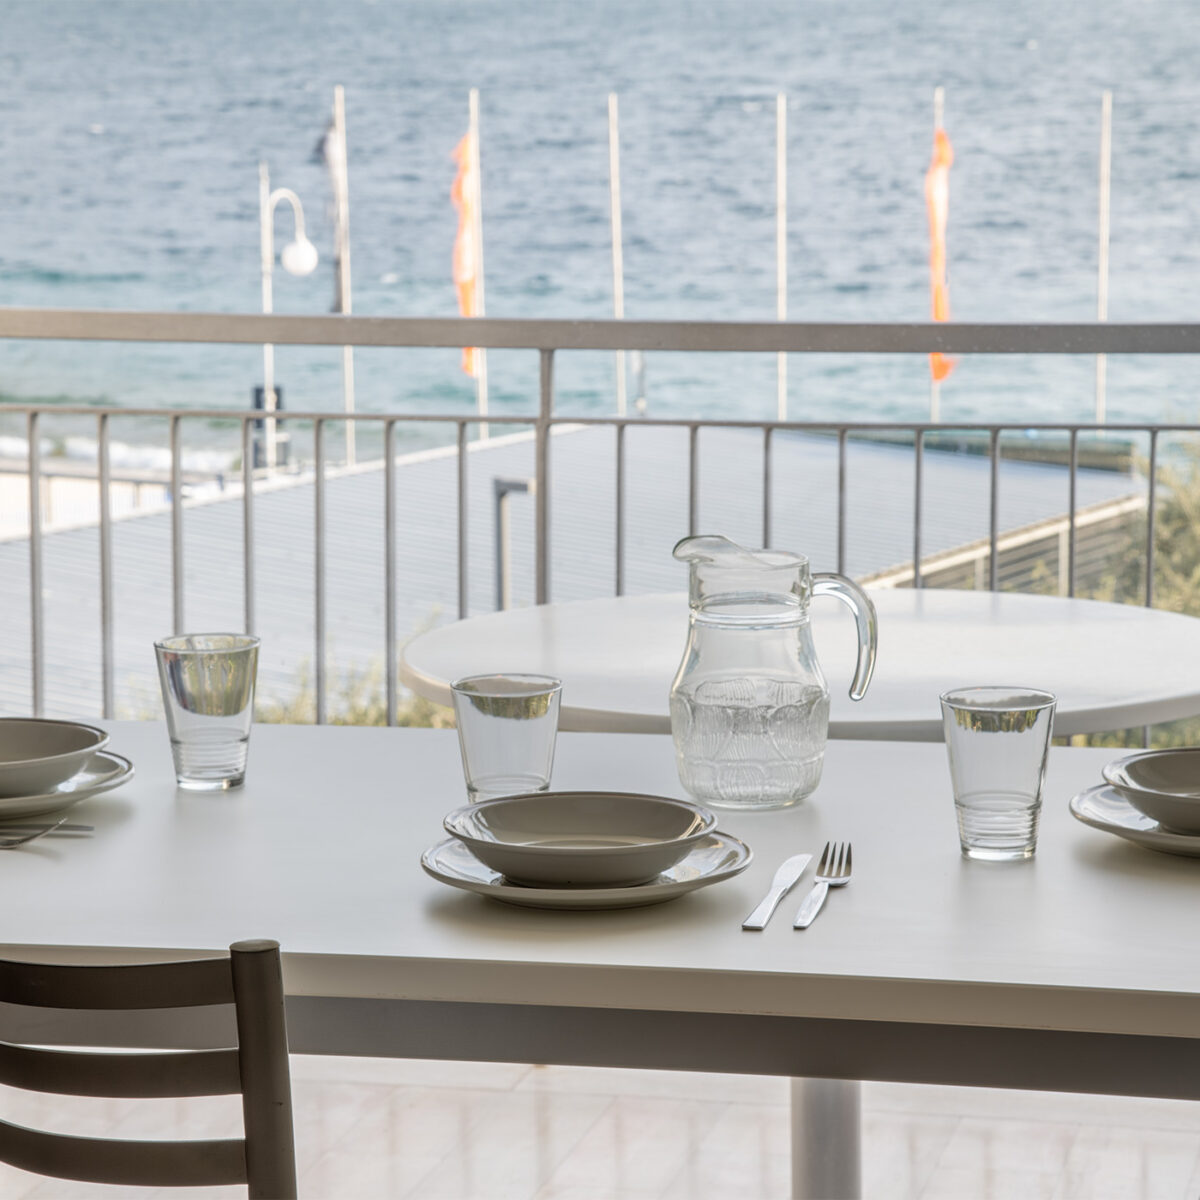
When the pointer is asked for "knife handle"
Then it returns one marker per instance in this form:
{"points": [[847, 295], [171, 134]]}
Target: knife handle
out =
{"points": [[762, 914], [811, 906]]}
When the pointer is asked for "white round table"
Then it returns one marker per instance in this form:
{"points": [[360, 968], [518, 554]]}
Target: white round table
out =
{"points": [[1112, 666]]}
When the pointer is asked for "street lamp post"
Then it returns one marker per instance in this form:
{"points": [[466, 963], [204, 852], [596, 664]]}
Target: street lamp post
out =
{"points": [[299, 257]]}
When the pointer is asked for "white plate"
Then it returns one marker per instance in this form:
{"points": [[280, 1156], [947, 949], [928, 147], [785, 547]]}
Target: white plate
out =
{"points": [[105, 772], [717, 857], [1103, 807]]}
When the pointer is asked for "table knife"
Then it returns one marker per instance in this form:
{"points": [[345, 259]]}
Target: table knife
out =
{"points": [[785, 879]]}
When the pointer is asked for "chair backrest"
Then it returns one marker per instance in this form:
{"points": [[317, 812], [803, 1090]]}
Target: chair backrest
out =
{"points": [[251, 980]]}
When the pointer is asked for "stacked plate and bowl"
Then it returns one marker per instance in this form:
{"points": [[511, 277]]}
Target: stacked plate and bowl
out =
{"points": [[584, 850], [46, 766], [1151, 798]]}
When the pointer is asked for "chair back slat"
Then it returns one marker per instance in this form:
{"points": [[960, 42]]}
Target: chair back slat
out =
{"points": [[251, 980], [187, 984], [124, 1163], [77, 1073]]}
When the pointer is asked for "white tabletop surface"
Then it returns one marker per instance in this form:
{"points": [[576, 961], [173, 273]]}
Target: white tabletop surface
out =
{"points": [[1112, 666], [320, 850]]}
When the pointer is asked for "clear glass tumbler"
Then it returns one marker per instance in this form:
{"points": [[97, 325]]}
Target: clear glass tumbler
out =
{"points": [[998, 739], [208, 694], [507, 725]]}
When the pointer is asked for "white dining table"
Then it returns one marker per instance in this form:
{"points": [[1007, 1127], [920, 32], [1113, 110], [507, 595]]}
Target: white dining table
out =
{"points": [[1074, 971], [1112, 666]]}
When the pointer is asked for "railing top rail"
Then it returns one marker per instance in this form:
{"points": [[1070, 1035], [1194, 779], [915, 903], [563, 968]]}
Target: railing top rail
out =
{"points": [[528, 420], [556, 334]]}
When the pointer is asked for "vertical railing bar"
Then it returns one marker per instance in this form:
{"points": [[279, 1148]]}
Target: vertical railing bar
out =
{"points": [[107, 690], [319, 566], [503, 548], [389, 566], [693, 478], [994, 510], [542, 472], [918, 474], [37, 639], [841, 503], [766, 470], [248, 581], [1072, 481], [461, 486], [176, 527], [1151, 503], [620, 514]]}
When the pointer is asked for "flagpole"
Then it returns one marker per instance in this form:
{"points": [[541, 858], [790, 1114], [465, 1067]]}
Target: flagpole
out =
{"points": [[341, 200], [266, 234], [781, 289], [1102, 269], [614, 214], [481, 387], [935, 386]]}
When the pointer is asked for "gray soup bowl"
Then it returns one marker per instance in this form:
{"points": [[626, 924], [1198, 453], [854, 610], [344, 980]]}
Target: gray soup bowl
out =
{"points": [[580, 839], [37, 755], [1163, 784]]}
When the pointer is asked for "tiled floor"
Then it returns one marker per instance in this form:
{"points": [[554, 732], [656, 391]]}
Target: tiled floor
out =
{"points": [[463, 1131]]}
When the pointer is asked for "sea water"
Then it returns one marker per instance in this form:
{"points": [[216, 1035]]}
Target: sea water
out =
{"points": [[132, 134]]}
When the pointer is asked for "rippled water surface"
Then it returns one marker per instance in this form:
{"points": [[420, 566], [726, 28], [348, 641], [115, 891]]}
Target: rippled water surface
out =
{"points": [[130, 134]]}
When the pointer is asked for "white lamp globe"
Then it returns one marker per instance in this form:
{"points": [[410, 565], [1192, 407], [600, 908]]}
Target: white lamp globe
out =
{"points": [[299, 257]]}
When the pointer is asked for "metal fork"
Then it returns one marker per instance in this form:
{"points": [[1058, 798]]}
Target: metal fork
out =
{"points": [[832, 871], [12, 842]]}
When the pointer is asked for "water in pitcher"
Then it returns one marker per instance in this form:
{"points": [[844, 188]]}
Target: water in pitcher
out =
{"points": [[749, 742]]}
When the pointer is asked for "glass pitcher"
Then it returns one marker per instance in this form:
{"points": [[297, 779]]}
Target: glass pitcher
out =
{"points": [[749, 705]]}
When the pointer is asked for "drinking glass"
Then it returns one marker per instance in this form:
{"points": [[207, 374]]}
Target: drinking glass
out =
{"points": [[208, 693], [998, 739], [506, 730]]}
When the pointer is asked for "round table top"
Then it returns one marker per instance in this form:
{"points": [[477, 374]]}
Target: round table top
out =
{"points": [[1112, 666]]}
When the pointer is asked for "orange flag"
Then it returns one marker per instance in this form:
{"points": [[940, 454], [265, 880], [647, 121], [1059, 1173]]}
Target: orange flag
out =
{"points": [[466, 257], [937, 200]]}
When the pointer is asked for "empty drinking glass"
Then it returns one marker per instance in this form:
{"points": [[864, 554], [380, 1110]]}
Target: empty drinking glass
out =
{"points": [[506, 730], [998, 739], [208, 694]]}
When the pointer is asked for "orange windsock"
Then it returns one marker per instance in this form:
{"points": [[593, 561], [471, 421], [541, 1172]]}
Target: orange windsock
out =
{"points": [[937, 201], [466, 256]]}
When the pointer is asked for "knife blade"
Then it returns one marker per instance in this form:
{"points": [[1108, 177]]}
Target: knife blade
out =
{"points": [[785, 879]]}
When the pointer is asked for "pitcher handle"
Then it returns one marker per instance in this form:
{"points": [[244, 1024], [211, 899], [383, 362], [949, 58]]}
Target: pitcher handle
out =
{"points": [[865, 617]]}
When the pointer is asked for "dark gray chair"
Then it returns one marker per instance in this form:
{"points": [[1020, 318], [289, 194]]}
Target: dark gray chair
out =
{"points": [[250, 980]]}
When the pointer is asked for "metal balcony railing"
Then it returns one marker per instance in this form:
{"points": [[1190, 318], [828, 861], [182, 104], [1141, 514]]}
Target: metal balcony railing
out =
{"points": [[547, 338]]}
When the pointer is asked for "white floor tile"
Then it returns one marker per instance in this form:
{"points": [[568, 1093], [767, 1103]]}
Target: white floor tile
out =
{"points": [[966, 1183], [368, 1128], [1124, 1164], [746, 1153], [636, 1150], [998, 1146], [901, 1152]]}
